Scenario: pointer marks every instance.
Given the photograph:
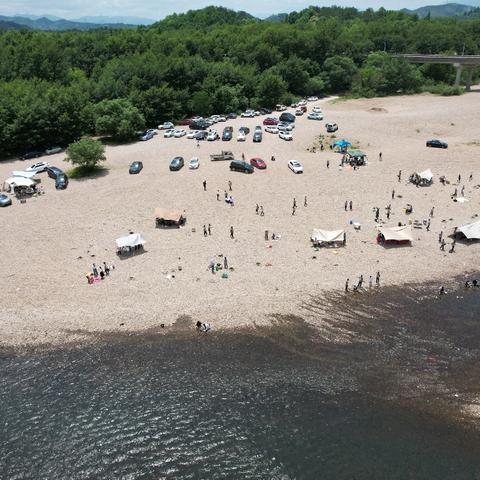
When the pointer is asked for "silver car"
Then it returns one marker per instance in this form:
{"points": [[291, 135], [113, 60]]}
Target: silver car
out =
{"points": [[5, 200]]}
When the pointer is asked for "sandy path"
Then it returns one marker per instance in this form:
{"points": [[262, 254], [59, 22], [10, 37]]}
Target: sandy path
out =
{"points": [[45, 295]]}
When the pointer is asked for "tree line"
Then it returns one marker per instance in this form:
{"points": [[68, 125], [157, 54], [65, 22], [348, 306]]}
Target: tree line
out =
{"points": [[58, 86]]}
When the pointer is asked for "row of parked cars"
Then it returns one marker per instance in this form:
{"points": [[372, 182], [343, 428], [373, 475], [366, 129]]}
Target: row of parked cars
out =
{"points": [[36, 153]]}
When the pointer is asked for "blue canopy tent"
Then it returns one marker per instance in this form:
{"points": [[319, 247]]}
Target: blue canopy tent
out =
{"points": [[342, 144]]}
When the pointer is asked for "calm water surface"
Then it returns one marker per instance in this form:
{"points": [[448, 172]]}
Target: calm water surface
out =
{"points": [[271, 403]]}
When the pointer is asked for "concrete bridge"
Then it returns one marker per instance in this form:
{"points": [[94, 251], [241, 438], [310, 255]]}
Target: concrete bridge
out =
{"points": [[469, 62]]}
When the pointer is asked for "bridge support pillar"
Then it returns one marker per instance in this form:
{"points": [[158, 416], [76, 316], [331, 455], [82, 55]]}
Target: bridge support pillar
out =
{"points": [[468, 82], [458, 76]]}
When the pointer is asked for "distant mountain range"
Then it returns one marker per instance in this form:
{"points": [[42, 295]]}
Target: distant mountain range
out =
{"points": [[445, 10], [53, 23]]}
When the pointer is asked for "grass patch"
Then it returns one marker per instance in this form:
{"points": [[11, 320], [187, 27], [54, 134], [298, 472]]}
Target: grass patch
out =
{"points": [[445, 90], [87, 172]]}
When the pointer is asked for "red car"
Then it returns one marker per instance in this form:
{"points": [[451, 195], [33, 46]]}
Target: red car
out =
{"points": [[258, 163], [270, 121], [303, 108]]}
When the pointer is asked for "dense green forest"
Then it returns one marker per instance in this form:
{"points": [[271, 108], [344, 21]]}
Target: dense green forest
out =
{"points": [[56, 87]]}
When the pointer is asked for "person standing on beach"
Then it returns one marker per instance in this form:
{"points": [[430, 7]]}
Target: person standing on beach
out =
{"points": [[351, 205], [370, 282], [440, 237], [462, 191], [452, 248], [293, 210], [230, 185], [225, 263], [428, 225], [360, 282], [399, 175], [377, 213], [459, 179], [243, 156], [105, 267], [94, 270], [346, 205], [346, 284], [442, 245], [328, 163], [393, 194], [204, 185], [231, 233], [209, 229], [380, 156], [256, 208], [305, 201], [204, 231], [377, 279], [470, 178], [294, 202], [262, 213], [431, 212], [226, 195], [218, 195]]}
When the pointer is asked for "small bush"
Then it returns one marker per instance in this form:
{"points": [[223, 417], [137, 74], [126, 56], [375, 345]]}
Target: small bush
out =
{"points": [[445, 90]]}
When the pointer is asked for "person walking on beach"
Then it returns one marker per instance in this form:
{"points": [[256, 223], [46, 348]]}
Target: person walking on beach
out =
{"points": [[243, 156], [305, 201], [346, 284], [231, 233], [218, 195], [262, 213], [226, 195], [399, 175], [257, 208], [377, 214], [293, 210], [428, 225], [346, 205], [230, 185], [442, 245], [393, 194], [440, 237], [94, 270], [209, 229], [204, 185], [459, 179], [351, 205], [225, 263], [328, 163], [452, 248], [204, 231], [370, 282], [431, 212], [377, 279], [294, 202], [380, 156]]}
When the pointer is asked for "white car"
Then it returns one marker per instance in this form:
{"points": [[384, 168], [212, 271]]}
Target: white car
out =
{"points": [[212, 136], [241, 137], [248, 114], [298, 112], [192, 133], [194, 163], [221, 118], [37, 167], [331, 127], [179, 133], [295, 167], [302, 103], [315, 116], [316, 110], [280, 108], [285, 136], [312, 99], [166, 126], [285, 127], [169, 133], [271, 129]]}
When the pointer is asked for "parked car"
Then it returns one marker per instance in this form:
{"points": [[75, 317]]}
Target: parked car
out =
{"points": [[248, 114], [31, 154], [331, 127], [245, 130], [192, 134], [270, 121], [194, 163], [259, 163], [303, 108], [316, 109], [280, 108], [287, 117], [227, 134], [241, 166], [315, 116], [285, 135], [437, 144], [5, 200], [201, 135], [166, 126], [257, 136], [200, 124], [285, 127], [135, 167], [37, 167], [53, 150], [176, 164], [61, 182], [169, 133], [148, 135], [298, 112], [241, 137], [212, 135], [179, 133], [312, 99], [231, 116], [266, 111], [271, 129], [54, 172], [295, 166]]}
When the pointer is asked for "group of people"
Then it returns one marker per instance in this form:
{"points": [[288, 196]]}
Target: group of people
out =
{"points": [[215, 266], [98, 273], [203, 327], [360, 282]]}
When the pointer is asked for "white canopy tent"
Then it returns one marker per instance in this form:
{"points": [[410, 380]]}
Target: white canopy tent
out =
{"points": [[426, 175], [396, 234], [130, 241], [320, 236], [471, 230], [12, 182], [21, 173]]}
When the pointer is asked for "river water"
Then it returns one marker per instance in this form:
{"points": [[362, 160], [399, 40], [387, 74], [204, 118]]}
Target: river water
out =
{"points": [[375, 393]]}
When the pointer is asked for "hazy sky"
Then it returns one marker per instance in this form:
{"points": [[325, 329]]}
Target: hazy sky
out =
{"points": [[157, 9]]}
